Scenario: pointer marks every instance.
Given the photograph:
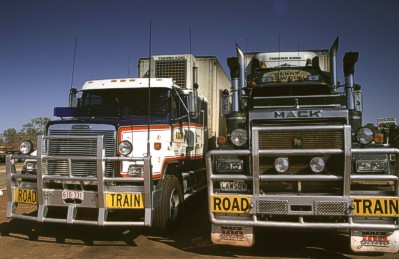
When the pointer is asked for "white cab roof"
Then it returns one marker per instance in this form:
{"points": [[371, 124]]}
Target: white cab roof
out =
{"points": [[128, 83]]}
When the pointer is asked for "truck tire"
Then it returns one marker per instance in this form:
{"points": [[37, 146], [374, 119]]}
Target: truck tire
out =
{"points": [[169, 212]]}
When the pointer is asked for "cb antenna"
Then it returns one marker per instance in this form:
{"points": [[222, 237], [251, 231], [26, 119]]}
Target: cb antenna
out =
{"points": [[74, 59], [149, 92]]}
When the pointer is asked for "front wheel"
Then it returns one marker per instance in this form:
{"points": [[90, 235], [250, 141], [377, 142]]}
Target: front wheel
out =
{"points": [[169, 211]]}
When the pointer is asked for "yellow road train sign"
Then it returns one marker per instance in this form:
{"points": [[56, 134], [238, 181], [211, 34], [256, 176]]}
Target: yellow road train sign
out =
{"points": [[124, 200], [27, 196], [376, 207], [231, 204]]}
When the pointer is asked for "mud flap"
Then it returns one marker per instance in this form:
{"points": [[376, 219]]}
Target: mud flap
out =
{"points": [[232, 235], [374, 241]]}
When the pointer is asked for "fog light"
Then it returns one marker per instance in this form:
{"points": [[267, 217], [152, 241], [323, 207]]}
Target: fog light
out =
{"points": [[379, 166], [317, 164], [135, 171], [362, 166], [281, 164]]}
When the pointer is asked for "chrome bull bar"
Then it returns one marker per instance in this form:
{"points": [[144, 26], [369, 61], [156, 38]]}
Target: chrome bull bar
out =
{"points": [[98, 198], [260, 199]]}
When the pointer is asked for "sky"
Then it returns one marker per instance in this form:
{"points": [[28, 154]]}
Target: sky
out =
{"points": [[37, 42]]}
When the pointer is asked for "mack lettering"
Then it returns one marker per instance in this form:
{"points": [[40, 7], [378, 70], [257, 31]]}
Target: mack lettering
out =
{"points": [[297, 114]]}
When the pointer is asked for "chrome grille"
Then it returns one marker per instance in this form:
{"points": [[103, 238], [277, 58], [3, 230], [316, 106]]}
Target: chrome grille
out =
{"points": [[329, 208], [272, 207], [84, 147], [310, 139]]}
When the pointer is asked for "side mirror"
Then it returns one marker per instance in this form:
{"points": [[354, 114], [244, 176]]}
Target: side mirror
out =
{"points": [[72, 97], [225, 107], [193, 104]]}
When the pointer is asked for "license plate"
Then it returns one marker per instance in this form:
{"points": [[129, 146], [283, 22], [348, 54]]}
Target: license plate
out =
{"points": [[233, 186], [388, 207], [231, 204], [232, 235], [374, 241], [74, 195], [125, 200], [25, 196]]}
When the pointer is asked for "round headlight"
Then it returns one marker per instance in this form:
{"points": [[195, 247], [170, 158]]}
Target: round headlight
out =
{"points": [[317, 164], [125, 148], [26, 147], [364, 135], [239, 137], [282, 164]]}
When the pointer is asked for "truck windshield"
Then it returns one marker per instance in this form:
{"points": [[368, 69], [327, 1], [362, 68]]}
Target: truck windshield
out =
{"points": [[124, 102]]}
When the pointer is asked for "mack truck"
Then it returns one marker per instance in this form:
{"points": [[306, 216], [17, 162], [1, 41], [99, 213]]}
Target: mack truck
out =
{"points": [[126, 151], [297, 156]]}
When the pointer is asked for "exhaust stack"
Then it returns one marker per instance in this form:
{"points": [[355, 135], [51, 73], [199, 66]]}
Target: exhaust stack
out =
{"points": [[241, 61], [333, 63], [233, 65], [350, 60]]}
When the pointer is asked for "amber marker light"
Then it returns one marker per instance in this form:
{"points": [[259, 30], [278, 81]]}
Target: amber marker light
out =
{"points": [[221, 140], [378, 138], [157, 146]]}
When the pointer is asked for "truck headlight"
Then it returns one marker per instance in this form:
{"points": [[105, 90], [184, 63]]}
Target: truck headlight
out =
{"points": [[125, 148], [26, 147], [239, 137], [229, 166], [364, 135], [371, 166], [282, 164], [317, 164]]}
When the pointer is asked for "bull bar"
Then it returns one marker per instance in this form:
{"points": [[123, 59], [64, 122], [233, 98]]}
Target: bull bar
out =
{"points": [[48, 197], [256, 178]]}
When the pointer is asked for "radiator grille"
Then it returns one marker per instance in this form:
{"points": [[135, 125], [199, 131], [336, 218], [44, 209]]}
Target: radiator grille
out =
{"points": [[84, 147], [310, 139], [326, 135]]}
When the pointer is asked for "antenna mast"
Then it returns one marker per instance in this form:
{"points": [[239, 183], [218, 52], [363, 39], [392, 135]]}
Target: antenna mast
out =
{"points": [[149, 94]]}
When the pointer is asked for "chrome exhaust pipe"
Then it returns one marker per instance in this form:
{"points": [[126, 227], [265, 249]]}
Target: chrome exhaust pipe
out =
{"points": [[350, 60], [233, 65], [241, 61], [333, 63]]}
